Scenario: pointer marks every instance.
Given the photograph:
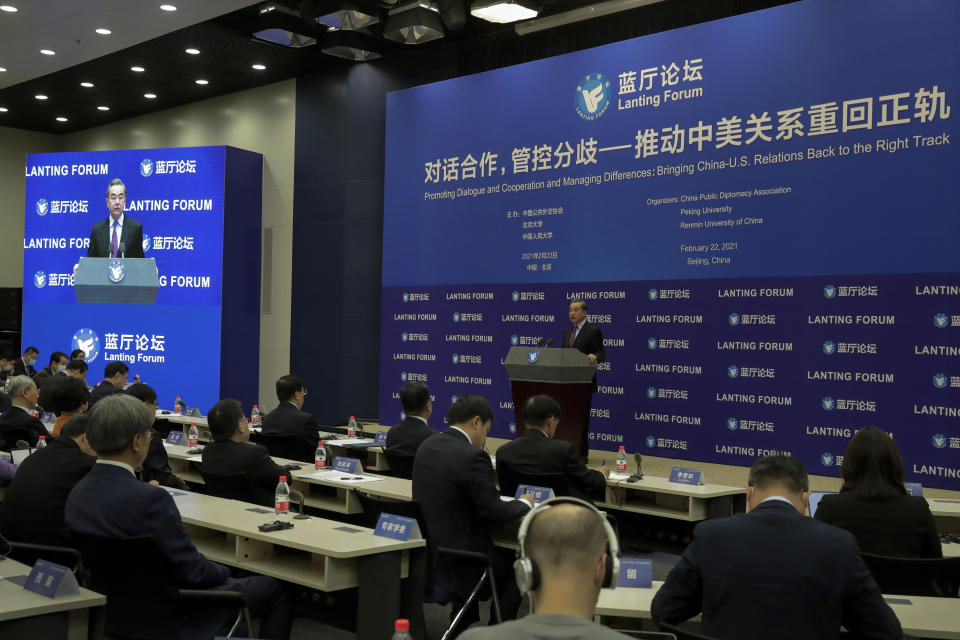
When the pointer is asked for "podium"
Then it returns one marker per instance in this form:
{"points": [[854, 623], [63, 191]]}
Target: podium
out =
{"points": [[566, 375], [117, 280]]}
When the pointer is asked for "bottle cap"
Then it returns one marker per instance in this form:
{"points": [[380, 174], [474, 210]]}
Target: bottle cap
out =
{"points": [[43, 437], [283, 478], [402, 624], [319, 443]]}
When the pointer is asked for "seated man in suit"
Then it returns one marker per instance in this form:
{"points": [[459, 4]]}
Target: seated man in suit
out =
{"points": [[775, 571], [567, 543], [24, 366], [70, 400], [110, 502], [537, 452], [156, 467], [289, 418], [19, 423], [231, 451], [78, 354], [453, 482], [33, 505], [6, 366], [404, 438], [114, 381], [57, 367], [75, 369]]}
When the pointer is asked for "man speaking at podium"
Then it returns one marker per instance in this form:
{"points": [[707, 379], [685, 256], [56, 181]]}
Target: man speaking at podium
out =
{"points": [[587, 339], [118, 236]]}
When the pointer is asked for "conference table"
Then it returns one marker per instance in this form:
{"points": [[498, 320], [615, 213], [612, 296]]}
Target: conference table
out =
{"points": [[920, 616], [657, 496], [24, 614], [946, 512], [316, 553]]}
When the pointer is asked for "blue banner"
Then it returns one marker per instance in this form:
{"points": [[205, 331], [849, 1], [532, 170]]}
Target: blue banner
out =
{"points": [[760, 226]]}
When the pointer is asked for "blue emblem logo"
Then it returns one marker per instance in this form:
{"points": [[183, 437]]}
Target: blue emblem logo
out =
{"points": [[941, 320], [732, 424], [828, 403], [146, 244], [651, 441], [456, 358], [405, 296], [829, 291], [39, 279], [87, 341], [651, 343], [404, 336], [43, 207], [651, 392], [593, 96], [733, 371], [829, 348], [515, 296], [146, 167], [938, 440], [653, 294], [453, 398], [456, 316], [403, 416], [827, 459], [512, 427], [514, 339], [403, 376], [940, 381], [734, 319], [533, 356], [116, 270]]}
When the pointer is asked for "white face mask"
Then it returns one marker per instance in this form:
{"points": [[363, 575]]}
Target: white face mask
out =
{"points": [[61, 368]]}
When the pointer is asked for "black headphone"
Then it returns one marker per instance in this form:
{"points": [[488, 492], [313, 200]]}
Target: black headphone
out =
{"points": [[526, 570]]}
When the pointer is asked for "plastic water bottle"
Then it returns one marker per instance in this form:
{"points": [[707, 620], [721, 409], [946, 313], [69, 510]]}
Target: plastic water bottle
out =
{"points": [[193, 436], [320, 457], [42, 442], [176, 406], [352, 427], [281, 499], [401, 629], [622, 459], [255, 416]]}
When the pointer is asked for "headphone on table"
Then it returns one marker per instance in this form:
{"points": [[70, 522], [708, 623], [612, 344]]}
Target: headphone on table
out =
{"points": [[526, 570]]}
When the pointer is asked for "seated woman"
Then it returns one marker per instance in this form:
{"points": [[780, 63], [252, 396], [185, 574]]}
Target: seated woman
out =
{"points": [[874, 505]]}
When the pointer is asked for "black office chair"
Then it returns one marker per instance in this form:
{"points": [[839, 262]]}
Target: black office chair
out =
{"points": [[938, 577], [682, 634], [142, 600], [233, 486], [647, 635], [401, 466], [28, 553], [509, 479], [288, 447]]}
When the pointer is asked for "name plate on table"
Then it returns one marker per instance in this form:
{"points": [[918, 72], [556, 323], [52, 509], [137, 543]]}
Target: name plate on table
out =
{"points": [[397, 527], [682, 475], [380, 440], [51, 580], [47, 416], [347, 465], [193, 412], [176, 437], [539, 493], [913, 488], [636, 573]]}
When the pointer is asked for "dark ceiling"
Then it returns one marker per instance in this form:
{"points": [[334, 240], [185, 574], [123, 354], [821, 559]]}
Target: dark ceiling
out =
{"points": [[227, 53]]}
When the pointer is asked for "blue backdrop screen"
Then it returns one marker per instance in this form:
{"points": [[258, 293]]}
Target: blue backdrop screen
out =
{"points": [[177, 195], [759, 212]]}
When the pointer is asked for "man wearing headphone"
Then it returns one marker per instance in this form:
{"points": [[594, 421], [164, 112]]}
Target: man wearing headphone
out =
{"points": [[568, 551]]}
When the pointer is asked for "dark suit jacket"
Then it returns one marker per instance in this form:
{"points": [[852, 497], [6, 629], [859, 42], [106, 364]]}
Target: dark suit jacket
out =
{"points": [[228, 456], [20, 368], [404, 438], [773, 572], [44, 375], [288, 420], [453, 482], [112, 503], [47, 391], [156, 466], [589, 340], [17, 424], [131, 238], [900, 526], [535, 452], [100, 391], [33, 504]]}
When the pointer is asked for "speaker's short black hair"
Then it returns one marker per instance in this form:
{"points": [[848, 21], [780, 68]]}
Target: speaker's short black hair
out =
{"points": [[539, 409], [414, 397], [142, 392], [224, 418], [779, 471], [287, 386], [70, 395], [467, 407], [114, 368], [77, 365]]}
